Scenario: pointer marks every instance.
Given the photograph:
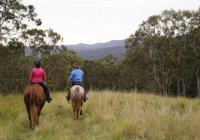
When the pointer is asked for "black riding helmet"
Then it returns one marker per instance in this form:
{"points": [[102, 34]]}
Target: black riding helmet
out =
{"points": [[37, 63]]}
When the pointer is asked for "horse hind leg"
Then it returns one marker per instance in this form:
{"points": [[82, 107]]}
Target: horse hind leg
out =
{"points": [[29, 114], [77, 113], [74, 110], [81, 112], [38, 114], [29, 117], [78, 110], [37, 117]]}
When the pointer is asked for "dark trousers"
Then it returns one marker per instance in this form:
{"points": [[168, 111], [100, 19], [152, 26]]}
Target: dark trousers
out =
{"points": [[46, 89]]}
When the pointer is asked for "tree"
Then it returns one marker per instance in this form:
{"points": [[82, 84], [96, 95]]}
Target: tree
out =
{"points": [[166, 39], [16, 29], [41, 42], [15, 67], [15, 17]]}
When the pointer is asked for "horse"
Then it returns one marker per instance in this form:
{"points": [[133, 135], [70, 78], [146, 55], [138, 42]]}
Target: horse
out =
{"points": [[34, 99], [77, 94]]}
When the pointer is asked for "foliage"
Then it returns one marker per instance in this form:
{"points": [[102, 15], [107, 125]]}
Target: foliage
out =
{"points": [[14, 67], [101, 73], [58, 67], [167, 48], [163, 55], [41, 42], [15, 18]]}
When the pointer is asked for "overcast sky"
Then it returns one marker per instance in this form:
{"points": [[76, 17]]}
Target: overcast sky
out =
{"points": [[93, 21]]}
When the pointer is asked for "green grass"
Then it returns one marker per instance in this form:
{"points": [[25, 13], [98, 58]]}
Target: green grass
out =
{"points": [[107, 116]]}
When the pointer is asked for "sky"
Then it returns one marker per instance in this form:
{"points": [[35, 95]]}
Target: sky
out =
{"points": [[95, 21]]}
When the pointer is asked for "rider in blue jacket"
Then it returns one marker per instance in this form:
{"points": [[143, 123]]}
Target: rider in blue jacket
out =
{"points": [[76, 78]]}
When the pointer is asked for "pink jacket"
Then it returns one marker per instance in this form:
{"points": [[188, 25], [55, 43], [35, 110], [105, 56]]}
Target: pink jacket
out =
{"points": [[37, 75]]}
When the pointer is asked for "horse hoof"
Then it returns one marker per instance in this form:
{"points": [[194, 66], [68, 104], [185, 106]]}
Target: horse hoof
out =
{"points": [[33, 128], [81, 113]]}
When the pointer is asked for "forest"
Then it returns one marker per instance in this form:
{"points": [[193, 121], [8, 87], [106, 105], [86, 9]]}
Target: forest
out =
{"points": [[162, 55]]}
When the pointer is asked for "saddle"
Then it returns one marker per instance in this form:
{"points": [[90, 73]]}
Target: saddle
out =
{"points": [[35, 83]]}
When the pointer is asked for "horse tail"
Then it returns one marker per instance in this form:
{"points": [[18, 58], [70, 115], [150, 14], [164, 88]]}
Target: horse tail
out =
{"points": [[33, 114], [78, 97], [33, 108], [76, 92]]}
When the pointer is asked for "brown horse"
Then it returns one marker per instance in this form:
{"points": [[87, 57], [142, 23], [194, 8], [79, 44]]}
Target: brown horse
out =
{"points": [[77, 93], [34, 99]]}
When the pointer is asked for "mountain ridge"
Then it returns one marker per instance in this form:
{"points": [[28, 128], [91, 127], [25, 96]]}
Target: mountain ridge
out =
{"points": [[99, 50], [83, 46], [96, 50]]}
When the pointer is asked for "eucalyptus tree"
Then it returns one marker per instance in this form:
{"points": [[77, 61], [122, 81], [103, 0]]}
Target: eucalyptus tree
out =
{"points": [[102, 73], [135, 69], [18, 29], [195, 44], [20, 21], [40, 41], [15, 18], [195, 57], [15, 67], [166, 39]]}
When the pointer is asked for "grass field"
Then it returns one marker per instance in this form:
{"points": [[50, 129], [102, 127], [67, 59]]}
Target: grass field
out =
{"points": [[107, 116]]}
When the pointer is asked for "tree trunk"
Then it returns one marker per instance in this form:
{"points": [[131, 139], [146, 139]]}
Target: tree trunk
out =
{"points": [[183, 86], [135, 85], [178, 87], [156, 79], [198, 85]]}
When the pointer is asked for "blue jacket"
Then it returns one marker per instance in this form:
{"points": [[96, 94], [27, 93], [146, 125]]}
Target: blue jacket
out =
{"points": [[76, 75]]}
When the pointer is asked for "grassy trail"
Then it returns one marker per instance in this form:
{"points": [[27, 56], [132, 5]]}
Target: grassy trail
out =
{"points": [[107, 116]]}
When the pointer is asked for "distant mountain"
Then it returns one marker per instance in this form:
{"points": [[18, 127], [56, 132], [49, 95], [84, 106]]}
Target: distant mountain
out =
{"points": [[99, 50], [82, 46], [116, 51]]}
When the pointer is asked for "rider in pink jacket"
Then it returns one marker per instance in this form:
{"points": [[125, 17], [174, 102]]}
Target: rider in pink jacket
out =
{"points": [[38, 76]]}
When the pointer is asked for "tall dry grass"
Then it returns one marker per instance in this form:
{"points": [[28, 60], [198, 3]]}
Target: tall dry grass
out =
{"points": [[107, 115]]}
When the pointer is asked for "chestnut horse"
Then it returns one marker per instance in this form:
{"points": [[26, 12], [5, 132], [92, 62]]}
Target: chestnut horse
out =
{"points": [[34, 99], [77, 93]]}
